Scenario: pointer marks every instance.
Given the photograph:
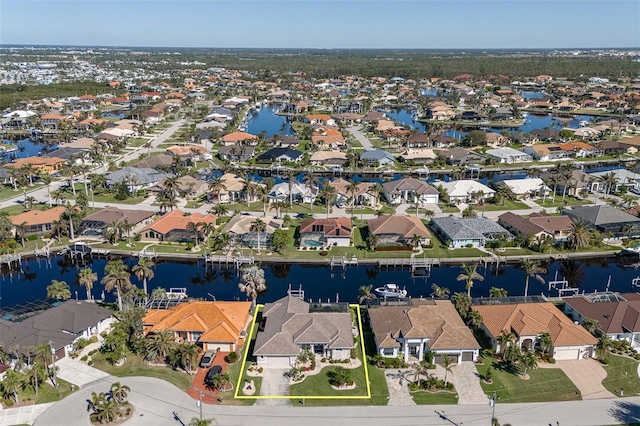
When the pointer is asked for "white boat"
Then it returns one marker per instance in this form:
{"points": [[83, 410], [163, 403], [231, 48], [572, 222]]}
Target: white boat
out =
{"points": [[633, 249], [391, 290], [583, 123], [524, 114]]}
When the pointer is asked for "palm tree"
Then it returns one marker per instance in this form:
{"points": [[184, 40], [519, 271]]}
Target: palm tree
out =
{"points": [[217, 185], [220, 210], [328, 194], [21, 231], [416, 240], [253, 283], [119, 392], [158, 345], [372, 241], [188, 356], [116, 277], [469, 274], [365, 293], [447, 364], [11, 384], [58, 290], [579, 234], [195, 228], [86, 278], [352, 189], [532, 269], [528, 361], [469, 212], [462, 302], [505, 339], [291, 175], [200, 422], [591, 325], [545, 342], [604, 346], [36, 375], [497, 292], [143, 271], [258, 226], [439, 292], [474, 319], [46, 180]]}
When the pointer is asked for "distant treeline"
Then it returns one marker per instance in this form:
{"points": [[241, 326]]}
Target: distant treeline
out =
{"points": [[11, 94]]}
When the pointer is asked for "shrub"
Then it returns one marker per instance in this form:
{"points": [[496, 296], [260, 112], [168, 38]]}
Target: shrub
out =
{"points": [[313, 364], [605, 361], [32, 237], [637, 356], [431, 367], [413, 386], [84, 358], [94, 339], [90, 362], [251, 368], [104, 334], [93, 351], [323, 360], [260, 370], [488, 374], [8, 402], [323, 253], [232, 357], [551, 360], [354, 353]]}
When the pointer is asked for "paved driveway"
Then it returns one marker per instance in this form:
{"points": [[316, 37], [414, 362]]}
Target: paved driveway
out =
{"points": [[79, 373], [466, 379], [274, 383], [398, 384], [366, 143], [586, 374]]}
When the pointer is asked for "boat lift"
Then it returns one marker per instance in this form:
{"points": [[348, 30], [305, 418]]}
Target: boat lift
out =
{"points": [[563, 286]]}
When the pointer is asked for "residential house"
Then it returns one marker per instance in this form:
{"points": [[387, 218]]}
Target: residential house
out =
{"points": [[40, 164], [546, 135], [423, 326], [527, 187], [579, 183], [547, 152], [557, 227], [283, 141], [232, 191], [418, 156], [236, 153], [463, 191], [60, 326], [214, 326], [52, 121], [241, 229], [322, 119], [507, 155], [160, 162], [299, 193], [418, 140], [186, 186], [172, 227], [622, 177], [37, 222], [459, 232], [327, 137], [364, 194], [458, 156], [538, 226], [581, 149], [444, 142], [409, 190], [334, 231], [97, 224], [290, 326], [242, 138], [278, 155], [373, 158], [328, 158], [438, 110], [392, 230], [617, 314], [190, 152], [606, 219], [136, 178], [528, 321]]}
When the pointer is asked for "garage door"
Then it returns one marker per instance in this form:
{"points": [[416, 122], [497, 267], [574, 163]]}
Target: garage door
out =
{"points": [[437, 358], [274, 361], [467, 356], [566, 354]]}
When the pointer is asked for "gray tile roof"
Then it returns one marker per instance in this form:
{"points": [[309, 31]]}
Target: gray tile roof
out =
{"points": [[61, 324], [143, 175], [376, 155], [472, 228], [600, 215], [409, 184], [289, 325]]}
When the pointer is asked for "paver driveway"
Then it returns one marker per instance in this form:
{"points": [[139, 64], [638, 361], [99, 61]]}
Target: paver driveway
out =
{"points": [[398, 384], [586, 374], [274, 383], [466, 379]]}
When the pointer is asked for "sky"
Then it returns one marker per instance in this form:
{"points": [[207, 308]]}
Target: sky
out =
{"points": [[424, 24]]}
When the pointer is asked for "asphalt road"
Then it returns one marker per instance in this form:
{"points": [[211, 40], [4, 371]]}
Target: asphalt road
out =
{"points": [[155, 402]]}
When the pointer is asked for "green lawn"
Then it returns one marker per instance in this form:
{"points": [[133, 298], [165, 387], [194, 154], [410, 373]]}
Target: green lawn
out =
{"points": [[136, 366], [318, 385], [448, 209], [622, 373], [136, 142], [545, 384], [234, 372], [508, 206], [569, 201], [428, 398], [46, 392], [105, 197], [18, 208]]}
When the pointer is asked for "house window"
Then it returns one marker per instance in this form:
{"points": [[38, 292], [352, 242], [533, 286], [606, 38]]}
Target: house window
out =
{"points": [[387, 351]]}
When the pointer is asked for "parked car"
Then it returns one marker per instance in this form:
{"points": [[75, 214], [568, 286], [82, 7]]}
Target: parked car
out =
{"points": [[207, 359], [213, 371]]}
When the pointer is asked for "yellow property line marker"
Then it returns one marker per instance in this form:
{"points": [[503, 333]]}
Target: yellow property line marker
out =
{"points": [[363, 360]]}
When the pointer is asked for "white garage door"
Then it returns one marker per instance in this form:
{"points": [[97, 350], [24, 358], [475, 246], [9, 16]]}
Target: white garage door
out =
{"points": [[274, 361], [561, 354]]}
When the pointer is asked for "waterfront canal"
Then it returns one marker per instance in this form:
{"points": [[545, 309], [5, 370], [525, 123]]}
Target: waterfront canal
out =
{"points": [[29, 282]]}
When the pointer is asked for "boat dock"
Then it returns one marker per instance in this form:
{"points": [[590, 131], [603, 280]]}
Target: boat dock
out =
{"points": [[9, 259]]}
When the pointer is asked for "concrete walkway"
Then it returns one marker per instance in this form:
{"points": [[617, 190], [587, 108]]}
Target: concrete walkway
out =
{"points": [[79, 373], [397, 382], [23, 415], [586, 374], [274, 383]]}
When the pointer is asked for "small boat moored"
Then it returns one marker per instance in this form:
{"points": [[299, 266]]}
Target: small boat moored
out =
{"points": [[391, 290]]}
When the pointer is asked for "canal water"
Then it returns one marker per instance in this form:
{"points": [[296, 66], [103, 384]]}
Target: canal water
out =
{"points": [[26, 148], [267, 120], [30, 281]]}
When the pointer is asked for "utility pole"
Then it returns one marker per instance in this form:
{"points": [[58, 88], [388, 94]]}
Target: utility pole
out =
{"points": [[200, 404], [492, 404], [53, 361]]}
